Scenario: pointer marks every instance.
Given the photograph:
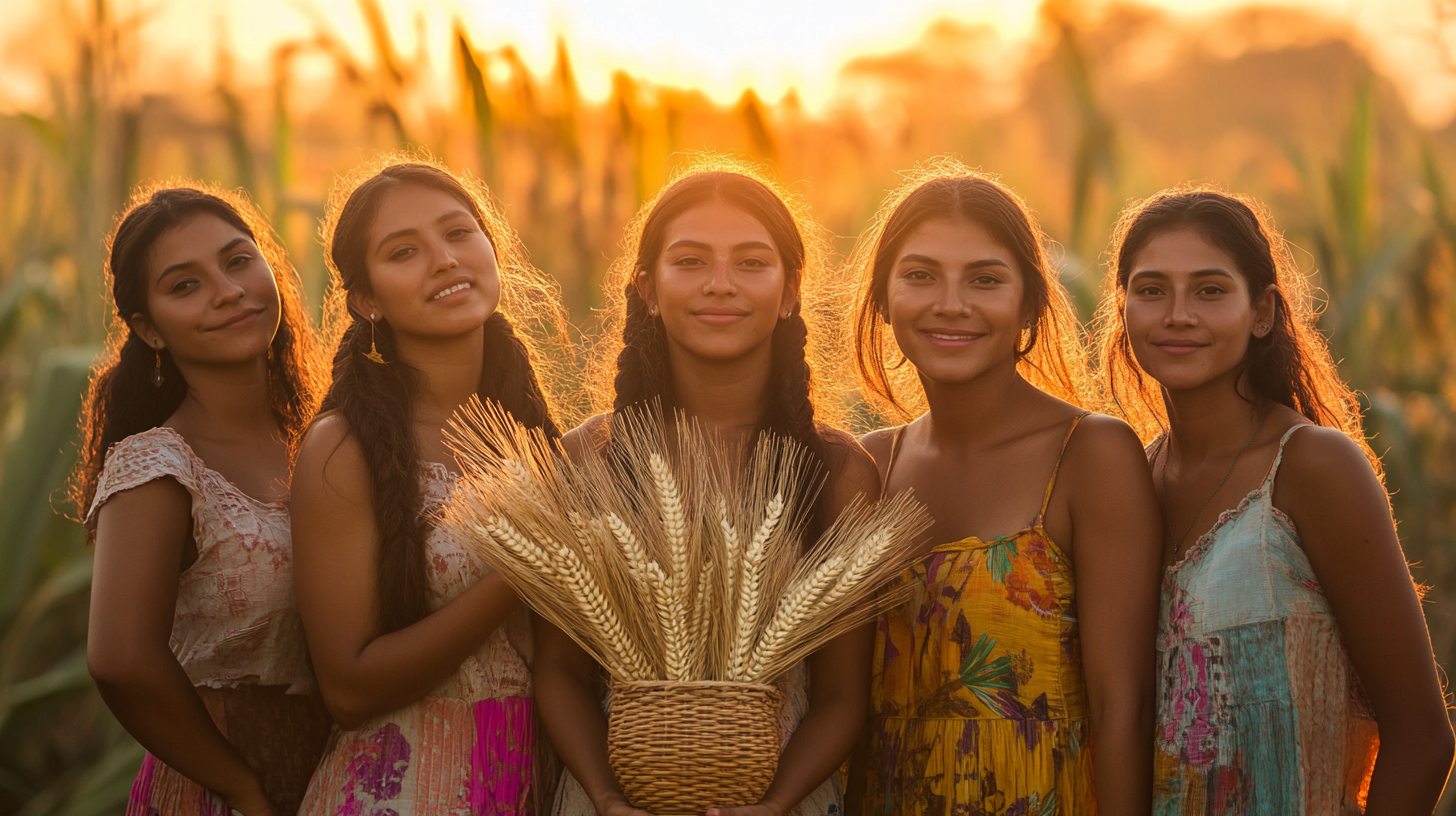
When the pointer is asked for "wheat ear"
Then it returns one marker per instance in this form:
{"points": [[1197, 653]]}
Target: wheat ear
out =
{"points": [[601, 615], [787, 619], [748, 591]]}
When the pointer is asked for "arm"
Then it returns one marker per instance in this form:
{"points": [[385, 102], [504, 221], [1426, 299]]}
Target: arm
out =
{"points": [[1116, 554], [1341, 512], [569, 696], [363, 673], [141, 537], [839, 673]]}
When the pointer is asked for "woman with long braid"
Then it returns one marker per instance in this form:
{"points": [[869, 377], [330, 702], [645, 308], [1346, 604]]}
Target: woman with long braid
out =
{"points": [[714, 284], [421, 651], [195, 642]]}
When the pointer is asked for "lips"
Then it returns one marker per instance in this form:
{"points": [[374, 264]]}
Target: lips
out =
{"points": [[720, 315], [455, 287], [951, 338], [240, 319], [1179, 347]]}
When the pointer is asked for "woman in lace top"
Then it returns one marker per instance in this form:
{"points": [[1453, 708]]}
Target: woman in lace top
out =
{"points": [[195, 641], [1294, 668], [422, 653]]}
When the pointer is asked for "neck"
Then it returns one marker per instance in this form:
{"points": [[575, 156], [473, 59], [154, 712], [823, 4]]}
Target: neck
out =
{"points": [[228, 401], [449, 370], [722, 394], [977, 411], [1210, 418]]}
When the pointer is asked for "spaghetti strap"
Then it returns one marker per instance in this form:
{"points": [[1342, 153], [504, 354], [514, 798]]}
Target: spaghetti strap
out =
{"points": [[1279, 457], [1052, 483]]}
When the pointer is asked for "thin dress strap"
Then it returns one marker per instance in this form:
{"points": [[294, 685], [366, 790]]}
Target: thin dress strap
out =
{"points": [[1279, 457], [1052, 483]]}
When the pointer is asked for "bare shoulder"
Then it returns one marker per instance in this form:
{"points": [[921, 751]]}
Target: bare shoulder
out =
{"points": [[1104, 443], [851, 468], [330, 462], [589, 437], [1320, 458], [879, 444]]}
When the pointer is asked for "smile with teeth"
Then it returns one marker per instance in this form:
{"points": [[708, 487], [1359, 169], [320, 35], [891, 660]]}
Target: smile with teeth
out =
{"points": [[940, 336], [451, 290]]}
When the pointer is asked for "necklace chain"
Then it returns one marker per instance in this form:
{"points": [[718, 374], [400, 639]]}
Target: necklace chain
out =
{"points": [[1167, 504]]}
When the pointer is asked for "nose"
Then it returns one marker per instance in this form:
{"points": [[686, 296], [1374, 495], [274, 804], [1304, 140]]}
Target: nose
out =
{"points": [[951, 299], [442, 259], [720, 277], [1180, 312], [227, 291]]}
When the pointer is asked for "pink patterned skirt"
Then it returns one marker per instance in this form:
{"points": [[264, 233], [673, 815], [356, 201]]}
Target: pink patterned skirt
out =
{"points": [[438, 756]]}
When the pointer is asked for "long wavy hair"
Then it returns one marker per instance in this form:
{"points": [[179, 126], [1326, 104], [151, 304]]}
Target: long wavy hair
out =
{"points": [[631, 365], [377, 402], [1291, 365], [122, 400], [1050, 354]]}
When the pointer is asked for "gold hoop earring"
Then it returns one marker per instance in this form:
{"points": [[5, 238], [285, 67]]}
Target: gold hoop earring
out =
{"points": [[373, 356]]}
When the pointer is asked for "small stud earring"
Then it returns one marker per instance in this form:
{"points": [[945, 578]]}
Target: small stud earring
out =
{"points": [[652, 311], [373, 356]]}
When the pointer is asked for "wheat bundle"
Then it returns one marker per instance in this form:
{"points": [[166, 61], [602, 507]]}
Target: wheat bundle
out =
{"points": [[672, 563]]}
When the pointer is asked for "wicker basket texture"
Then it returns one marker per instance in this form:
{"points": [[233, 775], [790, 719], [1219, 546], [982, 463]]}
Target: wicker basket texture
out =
{"points": [[680, 748]]}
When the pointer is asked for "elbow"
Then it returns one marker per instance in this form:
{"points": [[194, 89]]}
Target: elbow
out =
{"points": [[349, 710], [115, 669]]}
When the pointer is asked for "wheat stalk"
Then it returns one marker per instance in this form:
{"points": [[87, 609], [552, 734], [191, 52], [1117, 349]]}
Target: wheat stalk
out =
{"points": [[748, 591]]}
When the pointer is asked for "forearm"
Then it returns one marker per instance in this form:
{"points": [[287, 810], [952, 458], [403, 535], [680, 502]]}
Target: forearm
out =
{"points": [[1410, 772], [1122, 758], [571, 710], [398, 668], [824, 738], [161, 709]]}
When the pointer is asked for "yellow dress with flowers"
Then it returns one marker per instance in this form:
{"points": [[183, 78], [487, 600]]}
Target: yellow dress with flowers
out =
{"points": [[978, 701]]}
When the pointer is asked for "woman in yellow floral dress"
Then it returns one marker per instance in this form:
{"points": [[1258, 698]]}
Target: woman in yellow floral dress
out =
{"points": [[1019, 677]]}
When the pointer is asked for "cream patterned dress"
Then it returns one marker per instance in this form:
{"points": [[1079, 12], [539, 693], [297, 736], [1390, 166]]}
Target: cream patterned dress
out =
{"points": [[236, 630]]}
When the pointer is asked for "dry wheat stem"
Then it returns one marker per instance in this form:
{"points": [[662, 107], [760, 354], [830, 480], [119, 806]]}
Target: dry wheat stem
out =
{"points": [[748, 592]]}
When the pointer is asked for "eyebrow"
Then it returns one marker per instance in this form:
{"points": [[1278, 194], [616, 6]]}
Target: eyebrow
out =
{"points": [[178, 267], [1214, 272], [687, 243], [973, 265], [409, 230]]}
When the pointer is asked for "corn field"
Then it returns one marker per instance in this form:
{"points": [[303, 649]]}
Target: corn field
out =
{"points": [[1284, 106]]}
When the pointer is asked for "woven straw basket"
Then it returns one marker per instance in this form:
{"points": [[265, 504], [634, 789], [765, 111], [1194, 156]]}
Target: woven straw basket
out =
{"points": [[680, 748]]}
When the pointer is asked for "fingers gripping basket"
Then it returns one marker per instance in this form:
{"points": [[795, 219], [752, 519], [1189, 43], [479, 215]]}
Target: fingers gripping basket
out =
{"points": [[685, 747]]}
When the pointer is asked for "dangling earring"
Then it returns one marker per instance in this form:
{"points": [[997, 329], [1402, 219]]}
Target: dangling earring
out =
{"points": [[373, 356], [157, 378]]}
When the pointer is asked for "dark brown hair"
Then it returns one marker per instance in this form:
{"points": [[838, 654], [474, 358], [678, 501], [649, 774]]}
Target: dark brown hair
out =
{"points": [[1050, 354], [1291, 365], [641, 374], [377, 402], [122, 399]]}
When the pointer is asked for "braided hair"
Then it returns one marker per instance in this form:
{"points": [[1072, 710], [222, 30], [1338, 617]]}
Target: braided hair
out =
{"points": [[377, 402], [642, 374]]}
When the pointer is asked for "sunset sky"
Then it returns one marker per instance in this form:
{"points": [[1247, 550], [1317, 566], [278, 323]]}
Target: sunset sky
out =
{"points": [[770, 45]]}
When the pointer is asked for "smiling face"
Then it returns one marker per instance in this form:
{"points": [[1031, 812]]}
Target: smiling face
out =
{"points": [[1189, 313], [432, 269], [719, 284], [954, 300], [211, 295]]}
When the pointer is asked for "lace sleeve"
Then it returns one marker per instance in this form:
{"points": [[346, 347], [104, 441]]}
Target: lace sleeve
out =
{"points": [[141, 458]]}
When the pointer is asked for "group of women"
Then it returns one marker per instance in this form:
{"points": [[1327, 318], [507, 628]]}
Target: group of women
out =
{"points": [[1220, 622]]}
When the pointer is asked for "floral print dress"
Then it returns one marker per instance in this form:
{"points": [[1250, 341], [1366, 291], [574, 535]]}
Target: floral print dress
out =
{"points": [[466, 749], [1259, 709], [978, 705]]}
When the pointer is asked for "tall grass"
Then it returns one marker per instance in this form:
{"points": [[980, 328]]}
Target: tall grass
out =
{"points": [[1275, 109]]}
